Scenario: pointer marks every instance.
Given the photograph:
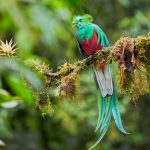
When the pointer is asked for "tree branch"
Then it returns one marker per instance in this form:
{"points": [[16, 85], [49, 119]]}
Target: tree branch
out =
{"points": [[132, 57], [99, 55]]}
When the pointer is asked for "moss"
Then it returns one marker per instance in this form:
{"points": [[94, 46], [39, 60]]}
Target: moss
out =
{"points": [[142, 48], [66, 68], [43, 103], [135, 83], [37, 65], [134, 86], [69, 87]]}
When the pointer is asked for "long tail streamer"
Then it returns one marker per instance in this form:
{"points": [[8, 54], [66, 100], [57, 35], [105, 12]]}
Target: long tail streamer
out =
{"points": [[108, 106]]}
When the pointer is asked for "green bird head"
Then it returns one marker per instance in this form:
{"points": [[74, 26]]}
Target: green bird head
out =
{"points": [[79, 21]]}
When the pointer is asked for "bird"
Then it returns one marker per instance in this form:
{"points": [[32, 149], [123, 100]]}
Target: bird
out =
{"points": [[91, 38]]}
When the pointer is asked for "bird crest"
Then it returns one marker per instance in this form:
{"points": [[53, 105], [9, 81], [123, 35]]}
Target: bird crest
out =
{"points": [[81, 20]]}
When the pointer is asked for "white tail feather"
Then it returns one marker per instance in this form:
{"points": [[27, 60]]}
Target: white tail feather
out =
{"points": [[108, 80], [104, 80], [101, 81]]}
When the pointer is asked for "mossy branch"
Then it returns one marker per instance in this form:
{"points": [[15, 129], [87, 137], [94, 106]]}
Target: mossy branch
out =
{"points": [[132, 56], [80, 65], [116, 52]]}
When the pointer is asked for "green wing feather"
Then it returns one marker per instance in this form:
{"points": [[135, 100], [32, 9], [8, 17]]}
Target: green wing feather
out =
{"points": [[102, 39]]}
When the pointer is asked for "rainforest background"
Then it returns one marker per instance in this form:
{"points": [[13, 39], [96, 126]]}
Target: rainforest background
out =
{"points": [[42, 30]]}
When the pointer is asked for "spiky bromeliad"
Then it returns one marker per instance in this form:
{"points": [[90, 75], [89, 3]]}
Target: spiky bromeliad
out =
{"points": [[91, 38]]}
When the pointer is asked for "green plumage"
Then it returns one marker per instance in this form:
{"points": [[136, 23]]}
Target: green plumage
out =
{"points": [[86, 33]]}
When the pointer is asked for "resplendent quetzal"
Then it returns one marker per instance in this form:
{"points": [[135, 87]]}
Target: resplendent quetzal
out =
{"points": [[91, 38]]}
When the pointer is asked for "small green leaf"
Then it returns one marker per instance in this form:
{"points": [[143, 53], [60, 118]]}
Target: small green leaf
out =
{"points": [[20, 89]]}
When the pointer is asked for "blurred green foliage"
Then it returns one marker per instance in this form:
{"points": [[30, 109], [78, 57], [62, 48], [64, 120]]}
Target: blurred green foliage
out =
{"points": [[42, 30]]}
